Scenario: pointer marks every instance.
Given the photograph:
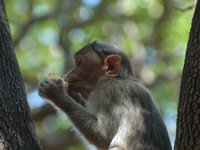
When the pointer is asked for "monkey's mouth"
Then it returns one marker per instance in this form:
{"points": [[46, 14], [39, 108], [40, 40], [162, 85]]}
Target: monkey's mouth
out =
{"points": [[74, 87]]}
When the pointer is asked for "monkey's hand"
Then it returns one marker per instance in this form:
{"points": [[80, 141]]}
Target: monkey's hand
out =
{"points": [[52, 90]]}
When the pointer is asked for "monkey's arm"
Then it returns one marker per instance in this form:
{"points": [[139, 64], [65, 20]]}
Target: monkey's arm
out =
{"points": [[83, 120], [87, 123]]}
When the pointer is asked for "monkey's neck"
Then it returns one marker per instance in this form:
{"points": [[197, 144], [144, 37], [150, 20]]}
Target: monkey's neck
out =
{"points": [[111, 89], [107, 82]]}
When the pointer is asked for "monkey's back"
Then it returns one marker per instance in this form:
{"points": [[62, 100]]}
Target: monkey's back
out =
{"points": [[153, 135]]}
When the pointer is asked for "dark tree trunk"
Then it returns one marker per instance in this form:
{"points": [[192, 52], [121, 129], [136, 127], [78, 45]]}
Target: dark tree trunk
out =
{"points": [[17, 131], [188, 121]]}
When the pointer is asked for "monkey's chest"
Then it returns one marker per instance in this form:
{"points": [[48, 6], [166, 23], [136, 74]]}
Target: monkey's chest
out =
{"points": [[106, 120]]}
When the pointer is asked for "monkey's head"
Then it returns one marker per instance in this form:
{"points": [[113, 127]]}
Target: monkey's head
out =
{"points": [[94, 61]]}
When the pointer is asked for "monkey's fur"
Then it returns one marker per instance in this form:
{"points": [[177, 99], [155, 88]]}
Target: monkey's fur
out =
{"points": [[119, 113]]}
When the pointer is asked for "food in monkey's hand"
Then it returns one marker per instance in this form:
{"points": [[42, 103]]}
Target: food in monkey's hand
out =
{"points": [[54, 77]]}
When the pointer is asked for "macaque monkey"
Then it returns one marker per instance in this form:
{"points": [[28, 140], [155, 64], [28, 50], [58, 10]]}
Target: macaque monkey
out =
{"points": [[106, 103]]}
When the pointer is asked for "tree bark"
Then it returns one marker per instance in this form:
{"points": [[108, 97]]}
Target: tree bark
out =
{"points": [[17, 131], [188, 121]]}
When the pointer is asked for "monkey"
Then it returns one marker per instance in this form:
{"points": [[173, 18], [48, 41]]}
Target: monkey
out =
{"points": [[106, 103]]}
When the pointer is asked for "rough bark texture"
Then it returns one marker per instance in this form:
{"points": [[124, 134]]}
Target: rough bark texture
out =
{"points": [[16, 127], [188, 121]]}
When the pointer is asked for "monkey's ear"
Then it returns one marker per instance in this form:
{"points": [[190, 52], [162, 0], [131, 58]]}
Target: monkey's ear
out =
{"points": [[112, 65]]}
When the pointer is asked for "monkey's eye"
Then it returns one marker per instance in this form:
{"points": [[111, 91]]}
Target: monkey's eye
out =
{"points": [[78, 62]]}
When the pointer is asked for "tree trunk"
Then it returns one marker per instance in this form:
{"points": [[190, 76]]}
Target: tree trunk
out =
{"points": [[188, 121], [17, 131]]}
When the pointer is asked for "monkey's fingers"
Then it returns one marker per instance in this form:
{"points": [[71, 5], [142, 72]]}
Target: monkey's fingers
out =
{"points": [[59, 83], [42, 91], [46, 86], [49, 81], [44, 83]]}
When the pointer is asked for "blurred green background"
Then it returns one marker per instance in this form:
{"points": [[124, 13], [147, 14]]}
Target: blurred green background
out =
{"points": [[46, 33]]}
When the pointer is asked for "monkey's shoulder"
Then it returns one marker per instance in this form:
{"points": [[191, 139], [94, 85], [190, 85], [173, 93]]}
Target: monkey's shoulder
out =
{"points": [[141, 95], [125, 88], [139, 90]]}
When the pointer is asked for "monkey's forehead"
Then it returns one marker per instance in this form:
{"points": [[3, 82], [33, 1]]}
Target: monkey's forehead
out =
{"points": [[84, 49]]}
